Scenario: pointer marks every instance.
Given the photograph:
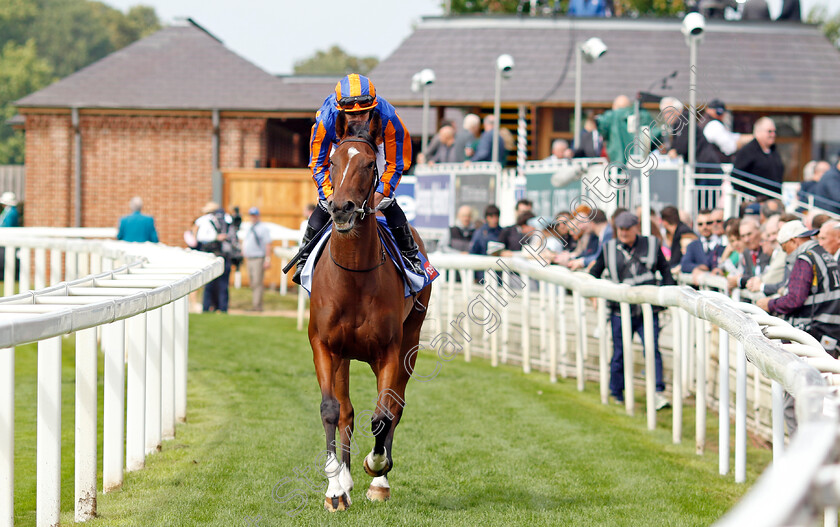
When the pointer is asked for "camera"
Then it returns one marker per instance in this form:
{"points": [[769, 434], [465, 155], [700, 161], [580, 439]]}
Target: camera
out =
{"points": [[427, 77], [593, 49], [505, 65], [693, 25]]}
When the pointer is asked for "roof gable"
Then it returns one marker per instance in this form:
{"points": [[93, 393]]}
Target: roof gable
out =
{"points": [[179, 67]]}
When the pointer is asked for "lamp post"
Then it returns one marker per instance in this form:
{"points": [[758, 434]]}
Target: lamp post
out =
{"points": [[424, 80], [591, 50], [692, 27], [504, 68]]}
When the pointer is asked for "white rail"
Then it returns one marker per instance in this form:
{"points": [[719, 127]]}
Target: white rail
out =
{"points": [[133, 299], [791, 359]]}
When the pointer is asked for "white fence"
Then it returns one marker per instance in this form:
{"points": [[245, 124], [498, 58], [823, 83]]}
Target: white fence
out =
{"points": [[131, 298], [538, 317]]}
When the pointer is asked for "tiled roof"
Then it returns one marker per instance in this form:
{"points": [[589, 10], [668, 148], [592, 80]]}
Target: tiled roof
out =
{"points": [[179, 67], [766, 64]]}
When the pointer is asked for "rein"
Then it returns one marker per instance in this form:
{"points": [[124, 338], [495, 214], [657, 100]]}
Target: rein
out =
{"points": [[364, 209], [369, 269]]}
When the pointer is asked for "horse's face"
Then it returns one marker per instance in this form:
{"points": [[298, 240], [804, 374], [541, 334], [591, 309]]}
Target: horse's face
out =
{"points": [[353, 170]]}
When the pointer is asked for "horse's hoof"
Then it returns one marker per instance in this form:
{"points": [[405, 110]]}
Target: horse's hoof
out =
{"points": [[338, 503], [373, 474], [378, 493]]}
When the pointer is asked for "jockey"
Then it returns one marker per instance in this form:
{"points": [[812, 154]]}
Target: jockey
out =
{"points": [[356, 96]]}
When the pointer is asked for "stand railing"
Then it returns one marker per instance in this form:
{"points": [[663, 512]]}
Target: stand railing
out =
{"points": [[132, 300]]}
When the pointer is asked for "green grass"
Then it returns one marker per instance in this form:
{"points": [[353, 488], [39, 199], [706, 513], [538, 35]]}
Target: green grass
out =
{"points": [[240, 299], [477, 446]]}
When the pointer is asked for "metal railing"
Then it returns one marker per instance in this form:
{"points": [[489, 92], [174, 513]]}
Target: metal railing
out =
{"points": [[131, 298], [717, 189], [527, 314]]}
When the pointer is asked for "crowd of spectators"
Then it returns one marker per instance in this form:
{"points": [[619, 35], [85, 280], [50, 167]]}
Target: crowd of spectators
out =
{"points": [[763, 249]]}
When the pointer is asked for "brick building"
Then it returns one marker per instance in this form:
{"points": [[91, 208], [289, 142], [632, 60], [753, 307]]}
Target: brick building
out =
{"points": [[161, 119]]}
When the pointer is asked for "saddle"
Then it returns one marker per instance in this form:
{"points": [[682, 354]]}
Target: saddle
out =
{"points": [[412, 282]]}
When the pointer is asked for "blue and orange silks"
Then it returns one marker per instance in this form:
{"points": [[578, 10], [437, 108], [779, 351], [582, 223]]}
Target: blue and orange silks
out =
{"points": [[395, 138]]}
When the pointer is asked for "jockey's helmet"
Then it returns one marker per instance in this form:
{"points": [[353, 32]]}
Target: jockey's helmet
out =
{"points": [[355, 93]]}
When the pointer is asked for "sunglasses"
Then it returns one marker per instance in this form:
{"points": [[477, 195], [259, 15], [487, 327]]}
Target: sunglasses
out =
{"points": [[359, 102], [705, 223]]}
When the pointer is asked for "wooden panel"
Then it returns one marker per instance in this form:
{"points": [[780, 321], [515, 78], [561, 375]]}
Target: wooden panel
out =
{"points": [[281, 194]]}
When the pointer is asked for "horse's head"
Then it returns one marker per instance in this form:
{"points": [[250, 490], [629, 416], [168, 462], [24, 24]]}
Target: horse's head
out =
{"points": [[353, 168]]}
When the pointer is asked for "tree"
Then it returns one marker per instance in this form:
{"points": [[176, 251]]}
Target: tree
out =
{"points": [[649, 7], [15, 17], [44, 39], [829, 24], [334, 61], [21, 72], [139, 22]]}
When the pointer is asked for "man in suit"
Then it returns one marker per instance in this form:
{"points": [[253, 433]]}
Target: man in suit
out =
{"points": [[702, 254], [137, 227], [591, 142]]}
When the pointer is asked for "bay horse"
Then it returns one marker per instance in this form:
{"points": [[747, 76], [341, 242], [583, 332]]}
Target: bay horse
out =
{"points": [[358, 310]]}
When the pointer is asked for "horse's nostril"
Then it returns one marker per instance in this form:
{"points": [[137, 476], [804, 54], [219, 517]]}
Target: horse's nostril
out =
{"points": [[349, 206]]}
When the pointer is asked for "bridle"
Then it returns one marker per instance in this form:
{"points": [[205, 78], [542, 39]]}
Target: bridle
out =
{"points": [[364, 209]]}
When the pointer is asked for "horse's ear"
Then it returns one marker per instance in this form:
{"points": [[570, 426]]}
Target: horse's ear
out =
{"points": [[341, 125], [375, 127]]}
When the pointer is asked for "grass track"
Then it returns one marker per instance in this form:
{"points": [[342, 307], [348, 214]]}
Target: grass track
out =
{"points": [[477, 446]]}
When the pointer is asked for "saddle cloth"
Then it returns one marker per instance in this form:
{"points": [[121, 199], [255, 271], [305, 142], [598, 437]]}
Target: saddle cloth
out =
{"points": [[418, 282]]}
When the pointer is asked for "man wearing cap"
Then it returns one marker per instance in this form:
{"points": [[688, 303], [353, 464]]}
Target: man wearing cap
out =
{"points": [[489, 232], [512, 236], [256, 250], [355, 97], [812, 302], [137, 227], [721, 141], [10, 216], [633, 259]]}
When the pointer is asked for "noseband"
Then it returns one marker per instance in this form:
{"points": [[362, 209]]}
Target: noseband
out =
{"points": [[364, 209]]}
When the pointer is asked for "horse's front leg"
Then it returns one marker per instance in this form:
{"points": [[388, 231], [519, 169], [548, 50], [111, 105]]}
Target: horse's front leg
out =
{"points": [[326, 366], [345, 423], [389, 406]]}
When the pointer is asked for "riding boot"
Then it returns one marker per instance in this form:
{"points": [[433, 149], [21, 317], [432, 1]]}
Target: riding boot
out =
{"points": [[408, 247], [308, 235]]}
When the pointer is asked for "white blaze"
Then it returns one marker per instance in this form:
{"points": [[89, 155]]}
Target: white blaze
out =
{"points": [[351, 152]]}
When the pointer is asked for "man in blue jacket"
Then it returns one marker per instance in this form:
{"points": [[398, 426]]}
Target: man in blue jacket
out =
{"points": [[137, 227]]}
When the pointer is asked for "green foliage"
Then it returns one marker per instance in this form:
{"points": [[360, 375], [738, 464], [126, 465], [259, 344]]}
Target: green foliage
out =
{"points": [[41, 40], [485, 6], [649, 7], [334, 61], [21, 72], [829, 23], [15, 17]]}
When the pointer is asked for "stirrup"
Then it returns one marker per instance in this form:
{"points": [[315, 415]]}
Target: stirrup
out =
{"points": [[413, 262], [298, 271]]}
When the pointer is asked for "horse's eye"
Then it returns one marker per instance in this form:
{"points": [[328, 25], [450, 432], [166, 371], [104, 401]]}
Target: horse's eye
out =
{"points": [[372, 165]]}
